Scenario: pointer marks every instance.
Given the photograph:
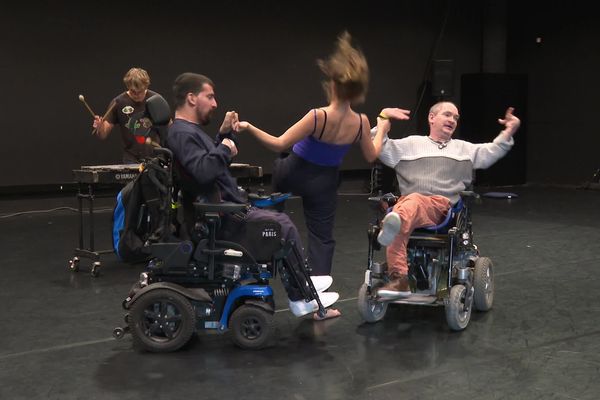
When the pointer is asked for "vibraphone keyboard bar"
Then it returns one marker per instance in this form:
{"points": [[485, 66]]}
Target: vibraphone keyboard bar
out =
{"points": [[117, 173], [123, 173]]}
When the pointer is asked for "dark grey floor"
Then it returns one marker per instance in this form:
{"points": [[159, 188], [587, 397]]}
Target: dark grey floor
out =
{"points": [[540, 341]]}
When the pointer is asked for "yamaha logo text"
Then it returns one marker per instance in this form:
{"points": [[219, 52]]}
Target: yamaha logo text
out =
{"points": [[122, 177]]}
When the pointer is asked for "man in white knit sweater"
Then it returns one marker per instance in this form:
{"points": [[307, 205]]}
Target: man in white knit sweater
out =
{"points": [[432, 171]]}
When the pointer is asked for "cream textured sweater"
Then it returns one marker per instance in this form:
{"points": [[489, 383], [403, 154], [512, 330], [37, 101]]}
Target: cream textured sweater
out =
{"points": [[425, 167]]}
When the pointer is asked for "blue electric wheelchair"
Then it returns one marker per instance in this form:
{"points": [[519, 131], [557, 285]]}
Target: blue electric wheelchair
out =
{"points": [[208, 281], [445, 268]]}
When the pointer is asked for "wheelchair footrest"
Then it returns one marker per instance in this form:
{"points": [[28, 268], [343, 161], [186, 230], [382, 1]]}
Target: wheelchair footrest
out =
{"points": [[416, 298]]}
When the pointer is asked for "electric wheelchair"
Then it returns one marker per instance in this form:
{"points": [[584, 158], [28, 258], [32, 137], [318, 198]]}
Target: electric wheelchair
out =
{"points": [[445, 268], [217, 279]]}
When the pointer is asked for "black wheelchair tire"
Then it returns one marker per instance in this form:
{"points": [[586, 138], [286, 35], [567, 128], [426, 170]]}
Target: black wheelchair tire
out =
{"points": [[483, 283], [251, 327], [456, 316], [370, 310], [168, 332]]}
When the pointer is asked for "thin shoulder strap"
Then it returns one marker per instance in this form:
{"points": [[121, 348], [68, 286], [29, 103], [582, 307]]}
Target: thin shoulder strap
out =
{"points": [[324, 123], [360, 129], [314, 127]]}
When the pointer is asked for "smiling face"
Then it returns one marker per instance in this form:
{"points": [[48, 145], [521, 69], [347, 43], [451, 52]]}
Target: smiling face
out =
{"points": [[443, 119]]}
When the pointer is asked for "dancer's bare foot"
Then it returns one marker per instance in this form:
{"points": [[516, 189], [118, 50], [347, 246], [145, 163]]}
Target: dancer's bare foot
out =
{"points": [[329, 313]]}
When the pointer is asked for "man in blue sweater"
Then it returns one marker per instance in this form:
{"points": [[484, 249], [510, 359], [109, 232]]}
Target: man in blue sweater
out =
{"points": [[203, 166], [431, 171]]}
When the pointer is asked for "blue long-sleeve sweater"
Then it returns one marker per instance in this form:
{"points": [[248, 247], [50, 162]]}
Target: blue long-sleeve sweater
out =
{"points": [[203, 159]]}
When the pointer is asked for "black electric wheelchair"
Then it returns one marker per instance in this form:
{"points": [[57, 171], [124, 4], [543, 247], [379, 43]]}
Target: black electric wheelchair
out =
{"points": [[208, 281], [445, 268]]}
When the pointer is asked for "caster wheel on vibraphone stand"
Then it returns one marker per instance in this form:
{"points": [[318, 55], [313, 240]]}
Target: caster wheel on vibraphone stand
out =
{"points": [[95, 269], [74, 264]]}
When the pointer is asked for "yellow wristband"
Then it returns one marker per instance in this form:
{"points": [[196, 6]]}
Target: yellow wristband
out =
{"points": [[383, 116]]}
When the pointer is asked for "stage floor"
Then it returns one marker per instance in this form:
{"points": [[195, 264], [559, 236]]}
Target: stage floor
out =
{"points": [[540, 341]]}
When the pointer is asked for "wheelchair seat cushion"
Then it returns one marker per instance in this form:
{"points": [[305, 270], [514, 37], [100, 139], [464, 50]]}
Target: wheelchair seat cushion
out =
{"points": [[268, 201], [445, 224]]}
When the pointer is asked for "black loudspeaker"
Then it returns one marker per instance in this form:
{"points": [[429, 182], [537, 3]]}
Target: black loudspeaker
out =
{"points": [[442, 81], [484, 99]]}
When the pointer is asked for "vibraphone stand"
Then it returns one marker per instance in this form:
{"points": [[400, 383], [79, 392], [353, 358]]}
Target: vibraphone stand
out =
{"points": [[81, 251]]}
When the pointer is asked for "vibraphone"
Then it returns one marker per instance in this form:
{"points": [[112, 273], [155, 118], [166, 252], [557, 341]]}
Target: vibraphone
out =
{"points": [[88, 176]]}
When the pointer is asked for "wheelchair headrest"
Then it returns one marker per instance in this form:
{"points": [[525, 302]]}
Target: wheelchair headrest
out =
{"points": [[158, 110]]}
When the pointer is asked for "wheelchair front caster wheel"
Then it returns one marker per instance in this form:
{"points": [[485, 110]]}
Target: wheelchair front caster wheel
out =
{"points": [[74, 264], [251, 327], [95, 269], [118, 333], [369, 308], [458, 314]]}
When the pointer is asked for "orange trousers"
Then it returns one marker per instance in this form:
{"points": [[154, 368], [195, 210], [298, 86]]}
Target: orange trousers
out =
{"points": [[416, 211]]}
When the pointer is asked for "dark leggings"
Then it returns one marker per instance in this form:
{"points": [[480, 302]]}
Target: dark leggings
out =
{"points": [[317, 185]]}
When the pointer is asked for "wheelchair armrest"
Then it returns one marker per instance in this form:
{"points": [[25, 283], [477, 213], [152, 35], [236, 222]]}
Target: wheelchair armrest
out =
{"points": [[389, 198], [227, 208], [383, 202], [469, 193], [256, 196]]}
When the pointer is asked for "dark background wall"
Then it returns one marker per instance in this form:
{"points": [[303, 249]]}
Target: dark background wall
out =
{"points": [[563, 136], [262, 55]]}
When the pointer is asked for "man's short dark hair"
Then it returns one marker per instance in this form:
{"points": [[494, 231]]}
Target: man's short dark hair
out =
{"points": [[188, 82]]}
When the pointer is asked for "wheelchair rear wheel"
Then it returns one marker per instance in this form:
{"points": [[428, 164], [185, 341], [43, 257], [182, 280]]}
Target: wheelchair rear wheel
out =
{"points": [[370, 309], [457, 317], [483, 297], [251, 327], [161, 321]]}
